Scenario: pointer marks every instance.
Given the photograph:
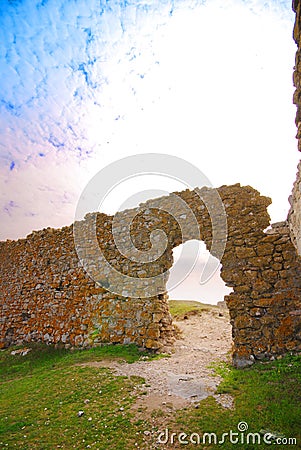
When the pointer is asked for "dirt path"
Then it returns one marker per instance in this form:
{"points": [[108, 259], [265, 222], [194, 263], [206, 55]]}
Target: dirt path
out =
{"points": [[184, 377]]}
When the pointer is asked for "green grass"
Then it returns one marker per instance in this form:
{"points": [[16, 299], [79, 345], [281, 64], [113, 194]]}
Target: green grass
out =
{"points": [[41, 394], [41, 412], [267, 397], [181, 308], [43, 357]]}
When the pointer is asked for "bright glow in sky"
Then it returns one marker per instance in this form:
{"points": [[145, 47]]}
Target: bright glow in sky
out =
{"points": [[211, 292], [86, 82]]}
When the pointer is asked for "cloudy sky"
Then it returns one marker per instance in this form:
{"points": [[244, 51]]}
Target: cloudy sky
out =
{"points": [[86, 82]]}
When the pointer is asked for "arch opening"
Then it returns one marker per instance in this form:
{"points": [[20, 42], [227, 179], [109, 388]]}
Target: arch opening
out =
{"points": [[184, 281]]}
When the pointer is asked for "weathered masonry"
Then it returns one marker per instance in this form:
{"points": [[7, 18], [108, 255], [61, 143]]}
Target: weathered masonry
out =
{"points": [[46, 294], [294, 216]]}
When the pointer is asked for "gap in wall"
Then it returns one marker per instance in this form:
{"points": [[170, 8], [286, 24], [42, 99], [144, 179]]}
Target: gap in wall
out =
{"points": [[190, 259]]}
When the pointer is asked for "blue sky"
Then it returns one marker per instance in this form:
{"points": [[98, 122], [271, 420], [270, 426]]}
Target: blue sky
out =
{"points": [[86, 82]]}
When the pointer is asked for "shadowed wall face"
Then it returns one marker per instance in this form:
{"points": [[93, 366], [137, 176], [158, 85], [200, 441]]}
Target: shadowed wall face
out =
{"points": [[90, 283], [294, 216]]}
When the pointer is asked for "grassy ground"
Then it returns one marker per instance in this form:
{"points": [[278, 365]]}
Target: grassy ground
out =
{"points": [[267, 399], [180, 309], [42, 393]]}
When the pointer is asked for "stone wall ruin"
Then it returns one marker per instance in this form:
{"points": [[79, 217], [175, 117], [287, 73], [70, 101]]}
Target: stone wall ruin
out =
{"points": [[46, 295], [294, 216]]}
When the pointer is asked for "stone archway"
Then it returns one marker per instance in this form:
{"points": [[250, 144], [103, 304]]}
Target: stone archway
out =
{"points": [[105, 287], [262, 268]]}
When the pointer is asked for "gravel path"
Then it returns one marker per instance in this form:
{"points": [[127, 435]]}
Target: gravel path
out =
{"points": [[184, 377]]}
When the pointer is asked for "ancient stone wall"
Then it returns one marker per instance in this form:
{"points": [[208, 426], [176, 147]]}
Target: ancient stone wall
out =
{"points": [[47, 296], [265, 307], [294, 216], [120, 294]]}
